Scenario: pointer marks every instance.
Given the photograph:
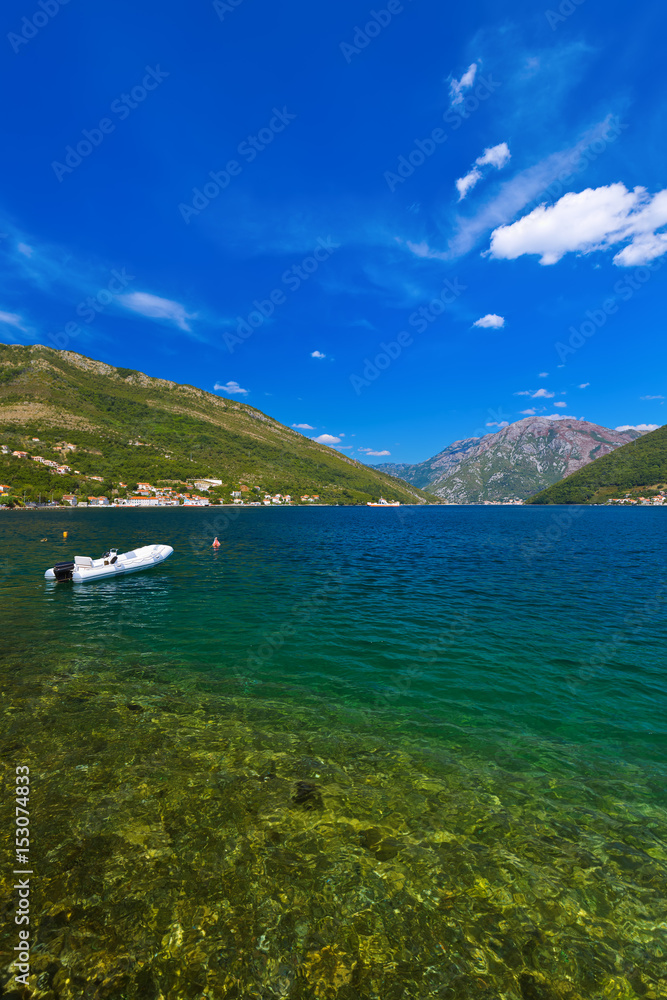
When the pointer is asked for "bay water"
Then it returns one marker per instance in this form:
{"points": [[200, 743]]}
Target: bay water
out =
{"points": [[353, 752]]}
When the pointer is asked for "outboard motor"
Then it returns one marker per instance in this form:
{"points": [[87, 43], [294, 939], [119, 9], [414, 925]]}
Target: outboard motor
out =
{"points": [[63, 570]]}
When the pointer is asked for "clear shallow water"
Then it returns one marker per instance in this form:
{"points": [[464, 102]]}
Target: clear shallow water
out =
{"points": [[478, 696]]}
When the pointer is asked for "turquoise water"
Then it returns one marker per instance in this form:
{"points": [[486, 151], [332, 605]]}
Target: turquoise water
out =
{"points": [[475, 698]]}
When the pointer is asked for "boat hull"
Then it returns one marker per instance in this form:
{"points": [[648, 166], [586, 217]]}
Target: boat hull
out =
{"points": [[89, 570]]}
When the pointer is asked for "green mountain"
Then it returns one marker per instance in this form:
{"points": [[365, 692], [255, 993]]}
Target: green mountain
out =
{"points": [[122, 425], [639, 464], [513, 463]]}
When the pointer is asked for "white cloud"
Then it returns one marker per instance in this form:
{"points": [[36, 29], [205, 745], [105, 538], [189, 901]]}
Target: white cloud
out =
{"points": [[467, 182], [326, 439], [490, 321], [589, 220], [303, 427], [642, 249], [538, 394], [584, 385], [231, 387], [501, 424], [543, 375], [25, 249], [529, 413], [12, 319], [457, 88], [157, 308], [377, 454], [560, 404], [493, 156], [527, 186], [651, 397], [638, 427], [317, 354]]}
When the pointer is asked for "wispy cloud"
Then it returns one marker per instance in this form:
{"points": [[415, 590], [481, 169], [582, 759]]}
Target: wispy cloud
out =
{"points": [[546, 375], [374, 454], [154, 307], [561, 404], [233, 388], [584, 385], [317, 354], [303, 427], [491, 321], [522, 189], [493, 156], [12, 319], [467, 182], [424, 250], [651, 397], [458, 88]]}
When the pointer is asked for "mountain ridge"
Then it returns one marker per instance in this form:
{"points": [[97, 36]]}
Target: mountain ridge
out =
{"points": [[513, 463], [139, 427], [640, 463]]}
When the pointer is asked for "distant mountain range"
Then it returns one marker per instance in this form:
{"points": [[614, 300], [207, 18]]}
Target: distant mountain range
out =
{"points": [[640, 465], [119, 424], [514, 463]]}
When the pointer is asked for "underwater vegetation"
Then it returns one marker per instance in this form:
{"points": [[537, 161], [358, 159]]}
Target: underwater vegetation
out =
{"points": [[189, 843]]}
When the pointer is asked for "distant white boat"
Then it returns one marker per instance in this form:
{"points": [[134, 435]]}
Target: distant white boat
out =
{"points": [[85, 569], [384, 503]]}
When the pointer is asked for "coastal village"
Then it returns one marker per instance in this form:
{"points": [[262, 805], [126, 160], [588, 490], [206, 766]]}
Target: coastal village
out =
{"points": [[190, 494], [205, 492], [651, 501]]}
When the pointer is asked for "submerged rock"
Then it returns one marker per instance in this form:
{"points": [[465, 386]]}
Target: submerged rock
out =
{"points": [[194, 849]]}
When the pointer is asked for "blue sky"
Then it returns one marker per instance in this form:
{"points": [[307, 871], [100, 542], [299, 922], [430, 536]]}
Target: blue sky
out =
{"points": [[394, 225]]}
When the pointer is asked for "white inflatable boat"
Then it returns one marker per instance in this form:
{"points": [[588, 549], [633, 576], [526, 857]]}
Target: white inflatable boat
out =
{"points": [[111, 564]]}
